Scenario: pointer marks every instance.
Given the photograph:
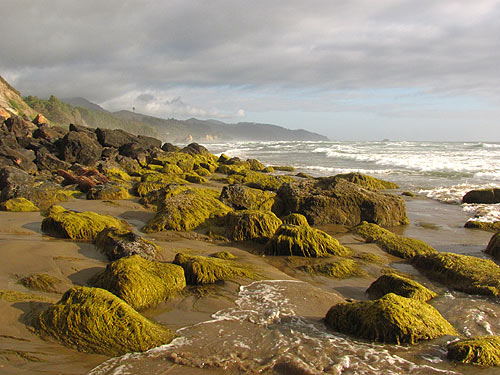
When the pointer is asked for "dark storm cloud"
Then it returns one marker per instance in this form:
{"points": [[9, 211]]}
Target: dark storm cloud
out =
{"points": [[103, 50]]}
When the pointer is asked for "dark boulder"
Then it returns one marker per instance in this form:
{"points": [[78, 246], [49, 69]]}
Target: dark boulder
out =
{"points": [[109, 153], [19, 157], [45, 160], [19, 127], [8, 139], [135, 151], [149, 142], [169, 147], [116, 244], [195, 149], [83, 129], [15, 183], [493, 247], [332, 200], [486, 196], [50, 133], [241, 197], [129, 165], [79, 147], [114, 138]]}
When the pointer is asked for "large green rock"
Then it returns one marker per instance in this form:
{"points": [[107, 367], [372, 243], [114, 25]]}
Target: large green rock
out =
{"points": [[402, 286], [391, 319], [481, 351], [403, 247], [139, 282], [96, 321], [251, 225]]}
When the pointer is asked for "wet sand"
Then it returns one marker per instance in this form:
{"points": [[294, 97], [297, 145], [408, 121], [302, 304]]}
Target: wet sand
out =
{"points": [[26, 250]]}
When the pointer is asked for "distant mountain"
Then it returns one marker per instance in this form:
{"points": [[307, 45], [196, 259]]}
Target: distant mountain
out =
{"points": [[84, 103], [81, 111]]}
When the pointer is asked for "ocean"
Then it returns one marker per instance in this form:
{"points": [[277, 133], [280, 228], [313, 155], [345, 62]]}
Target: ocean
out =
{"points": [[273, 328]]}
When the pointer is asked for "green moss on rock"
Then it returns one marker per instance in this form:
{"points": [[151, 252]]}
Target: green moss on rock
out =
{"points": [[295, 219], [304, 241], [108, 192], [391, 319], [96, 321], [368, 257], [187, 210], [204, 270], [18, 205], [339, 269], [14, 296], [40, 281], [461, 272], [402, 286], [85, 225], [195, 178], [224, 255], [367, 182], [139, 282], [403, 247], [490, 226], [116, 244], [283, 168], [251, 225], [117, 174], [493, 247], [263, 181], [242, 197], [481, 351]]}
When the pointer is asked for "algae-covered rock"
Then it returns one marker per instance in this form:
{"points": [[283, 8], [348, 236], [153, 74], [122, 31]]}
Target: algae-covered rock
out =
{"points": [[85, 225], [462, 272], [391, 319], [491, 226], [339, 269], [139, 282], [369, 257], [332, 200], [187, 210], [304, 241], [367, 182], [18, 205], [493, 247], [295, 219], [40, 281], [96, 321], [403, 247], [195, 179], [263, 181], [204, 270], [224, 255], [481, 351], [108, 192], [402, 286], [251, 225], [244, 198], [282, 168], [116, 244]]}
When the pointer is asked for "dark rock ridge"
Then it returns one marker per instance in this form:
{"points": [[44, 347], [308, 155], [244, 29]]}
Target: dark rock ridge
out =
{"points": [[486, 196], [332, 200]]}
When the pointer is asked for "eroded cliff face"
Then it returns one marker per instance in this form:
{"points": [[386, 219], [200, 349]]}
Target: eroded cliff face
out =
{"points": [[11, 102]]}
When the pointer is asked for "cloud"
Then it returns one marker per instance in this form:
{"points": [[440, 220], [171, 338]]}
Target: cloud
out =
{"points": [[223, 55]]}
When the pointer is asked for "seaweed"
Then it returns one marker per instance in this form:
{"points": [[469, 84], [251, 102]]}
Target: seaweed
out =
{"points": [[204, 270], [223, 255], [187, 210], [304, 241], [96, 321], [108, 192], [139, 282], [14, 296], [367, 182], [339, 269], [295, 219], [251, 225], [403, 247], [40, 281], [85, 225], [18, 205], [402, 286], [462, 272], [483, 225], [481, 351], [368, 257], [391, 319]]}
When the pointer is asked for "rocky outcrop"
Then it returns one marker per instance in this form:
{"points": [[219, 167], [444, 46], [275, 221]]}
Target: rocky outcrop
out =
{"points": [[252, 225], [139, 282], [486, 196], [241, 197], [391, 319], [483, 351], [96, 321], [114, 138], [400, 285], [195, 149], [79, 147], [336, 201], [493, 247], [15, 183], [109, 191], [116, 244]]}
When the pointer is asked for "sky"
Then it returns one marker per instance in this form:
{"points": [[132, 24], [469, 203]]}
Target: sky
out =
{"points": [[351, 70]]}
